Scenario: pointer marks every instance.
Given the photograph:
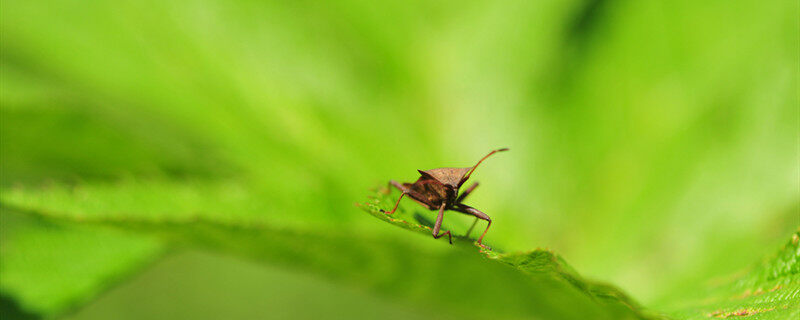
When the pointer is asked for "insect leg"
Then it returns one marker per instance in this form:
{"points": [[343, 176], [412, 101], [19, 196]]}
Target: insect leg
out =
{"points": [[402, 189], [466, 192], [396, 204], [406, 191], [438, 225], [475, 212], [398, 185]]}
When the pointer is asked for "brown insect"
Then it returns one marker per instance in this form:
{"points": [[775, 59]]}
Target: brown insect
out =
{"points": [[437, 189]]}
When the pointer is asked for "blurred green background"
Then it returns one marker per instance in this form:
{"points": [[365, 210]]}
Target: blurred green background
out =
{"points": [[654, 144]]}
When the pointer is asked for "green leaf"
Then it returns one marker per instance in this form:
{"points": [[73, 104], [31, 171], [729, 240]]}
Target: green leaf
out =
{"points": [[49, 268], [450, 280], [770, 290], [536, 263]]}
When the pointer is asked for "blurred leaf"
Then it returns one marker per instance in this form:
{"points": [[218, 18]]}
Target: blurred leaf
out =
{"points": [[86, 145], [48, 268], [201, 284], [447, 279], [770, 290]]}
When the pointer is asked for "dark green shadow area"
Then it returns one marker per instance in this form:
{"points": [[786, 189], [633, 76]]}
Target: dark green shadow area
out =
{"points": [[11, 311]]}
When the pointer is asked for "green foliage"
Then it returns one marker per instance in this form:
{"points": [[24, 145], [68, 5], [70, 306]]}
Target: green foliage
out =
{"points": [[536, 263], [449, 282], [770, 290], [50, 268], [653, 146]]}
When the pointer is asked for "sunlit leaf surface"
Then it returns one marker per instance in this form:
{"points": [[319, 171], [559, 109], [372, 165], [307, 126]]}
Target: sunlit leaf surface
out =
{"points": [[769, 290]]}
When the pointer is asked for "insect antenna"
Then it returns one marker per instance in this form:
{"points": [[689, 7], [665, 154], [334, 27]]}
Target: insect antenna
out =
{"points": [[466, 176]]}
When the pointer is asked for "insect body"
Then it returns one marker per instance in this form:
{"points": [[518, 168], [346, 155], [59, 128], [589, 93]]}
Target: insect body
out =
{"points": [[437, 189]]}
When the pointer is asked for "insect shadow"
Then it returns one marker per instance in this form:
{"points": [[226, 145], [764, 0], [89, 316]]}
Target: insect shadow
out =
{"points": [[423, 220]]}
